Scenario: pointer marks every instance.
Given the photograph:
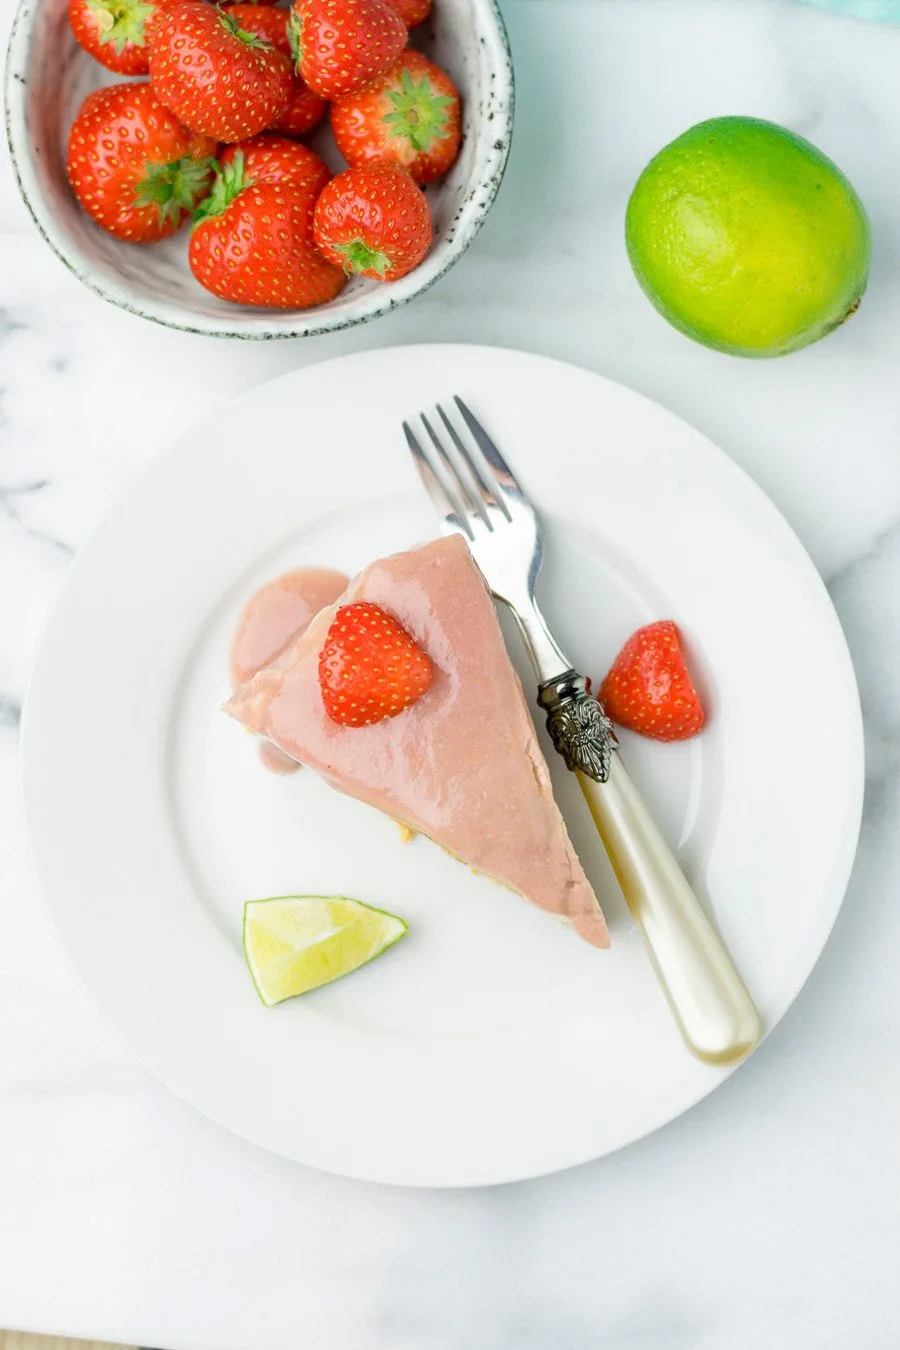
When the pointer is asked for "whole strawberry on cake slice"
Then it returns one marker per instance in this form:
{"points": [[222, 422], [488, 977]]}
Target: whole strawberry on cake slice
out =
{"points": [[402, 695]]}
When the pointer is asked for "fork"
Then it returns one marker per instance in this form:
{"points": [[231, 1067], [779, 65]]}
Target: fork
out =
{"points": [[477, 496]]}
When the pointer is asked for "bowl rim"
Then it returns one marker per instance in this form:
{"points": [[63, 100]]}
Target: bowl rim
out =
{"points": [[257, 325]]}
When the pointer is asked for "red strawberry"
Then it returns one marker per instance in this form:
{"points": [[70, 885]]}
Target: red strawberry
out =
{"points": [[134, 168], [649, 689], [216, 77], [275, 159], [340, 46], [412, 12], [254, 243], [409, 117], [305, 109], [374, 222], [370, 668], [116, 32]]}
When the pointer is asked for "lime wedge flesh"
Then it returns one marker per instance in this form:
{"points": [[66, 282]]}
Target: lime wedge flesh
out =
{"points": [[294, 943]]}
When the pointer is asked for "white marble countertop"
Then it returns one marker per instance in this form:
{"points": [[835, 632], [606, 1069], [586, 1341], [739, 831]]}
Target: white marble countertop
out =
{"points": [[768, 1216]]}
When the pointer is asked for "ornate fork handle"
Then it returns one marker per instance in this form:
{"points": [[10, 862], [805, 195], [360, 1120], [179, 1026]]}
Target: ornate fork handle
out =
{"points": [[712, 1009], [578, 726]]}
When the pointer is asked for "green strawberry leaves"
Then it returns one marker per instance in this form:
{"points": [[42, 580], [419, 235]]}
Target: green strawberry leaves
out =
{"points": [[419, 114], [175, 187], [358, 257], [229, 182], [121, 22], [234, 28], [295, 38]]}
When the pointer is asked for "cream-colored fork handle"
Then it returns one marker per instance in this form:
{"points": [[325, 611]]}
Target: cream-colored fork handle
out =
{"points": [[714, 1012]]}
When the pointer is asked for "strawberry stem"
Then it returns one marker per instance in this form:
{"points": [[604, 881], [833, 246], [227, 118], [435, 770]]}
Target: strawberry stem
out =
{"points": [[174, 187], [229, 182], [295, 37], [419, 115], [359, 257], [231, 24], [121, 22]]}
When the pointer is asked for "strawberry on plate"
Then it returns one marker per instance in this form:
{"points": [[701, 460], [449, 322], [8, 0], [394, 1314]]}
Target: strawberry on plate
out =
{"points": [[305, 109], [374, 222], [370, 668], [649, 689], [412, 12], [253, 243], [216, 77], [132, 165], [115, 32], [340, 46], [409, 117], [275, 159]]}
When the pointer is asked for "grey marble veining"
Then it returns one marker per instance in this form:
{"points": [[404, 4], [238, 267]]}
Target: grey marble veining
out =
{"points": [[769, 1215]]}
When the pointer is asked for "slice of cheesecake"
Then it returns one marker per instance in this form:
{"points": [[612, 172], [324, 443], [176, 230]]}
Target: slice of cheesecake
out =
{"points": [[461, 765]]}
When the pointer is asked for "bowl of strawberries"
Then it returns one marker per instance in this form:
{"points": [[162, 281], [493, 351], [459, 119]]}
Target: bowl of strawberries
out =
{"points": [[248, 170]]}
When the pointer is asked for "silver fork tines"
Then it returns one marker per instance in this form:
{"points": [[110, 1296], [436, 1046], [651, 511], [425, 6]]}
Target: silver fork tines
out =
{"points": [[476, 495]]}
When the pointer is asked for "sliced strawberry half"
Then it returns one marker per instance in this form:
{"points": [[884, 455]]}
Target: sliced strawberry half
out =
{"points": [[370, 668], [649, 689]]}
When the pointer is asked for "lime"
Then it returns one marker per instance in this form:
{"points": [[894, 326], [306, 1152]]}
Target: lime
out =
{"points": [[747, 238], [294, 943]]}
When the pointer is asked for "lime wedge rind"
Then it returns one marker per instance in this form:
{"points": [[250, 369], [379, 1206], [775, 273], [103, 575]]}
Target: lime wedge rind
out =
{"points": [[296, 943]]}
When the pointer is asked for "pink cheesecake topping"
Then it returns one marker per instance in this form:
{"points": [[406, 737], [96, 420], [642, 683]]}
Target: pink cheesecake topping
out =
{"points": [[462, 764]]}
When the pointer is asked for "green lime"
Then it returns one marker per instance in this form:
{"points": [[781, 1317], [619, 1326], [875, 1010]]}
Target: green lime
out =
{"points": [[747, 238], [294, 943]]}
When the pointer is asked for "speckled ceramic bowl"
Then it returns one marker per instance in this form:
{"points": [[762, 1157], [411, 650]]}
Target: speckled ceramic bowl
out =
{"points": [[48, 75]]}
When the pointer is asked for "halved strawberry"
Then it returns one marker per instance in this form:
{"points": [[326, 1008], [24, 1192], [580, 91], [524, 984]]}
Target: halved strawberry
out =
{"points": [[649, 689], [132, 165], [409, 117], [370, 668], [340, 46]]}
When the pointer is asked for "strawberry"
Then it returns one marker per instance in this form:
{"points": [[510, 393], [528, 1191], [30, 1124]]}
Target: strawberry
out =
{"points": [[412, 12], [409, 117], [275, 159], [373, 221], [305, 109], [116, 32], [254, 244], [133, 167], [340, 46], [217, 78], [649, 689], [370, 668]]}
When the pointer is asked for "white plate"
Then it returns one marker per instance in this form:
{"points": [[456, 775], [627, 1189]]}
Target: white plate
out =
{"points": [[491, 1044]]}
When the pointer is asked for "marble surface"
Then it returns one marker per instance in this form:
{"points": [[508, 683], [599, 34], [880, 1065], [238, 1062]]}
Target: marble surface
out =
{"points": [[770, 1215]]}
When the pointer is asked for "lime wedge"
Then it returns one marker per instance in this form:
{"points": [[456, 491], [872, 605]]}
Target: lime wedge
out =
{"points": [[294, 943]]}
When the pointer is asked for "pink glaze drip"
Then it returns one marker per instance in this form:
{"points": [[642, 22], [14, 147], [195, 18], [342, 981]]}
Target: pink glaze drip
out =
{"points": [[275, 760], [278, 612]]}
